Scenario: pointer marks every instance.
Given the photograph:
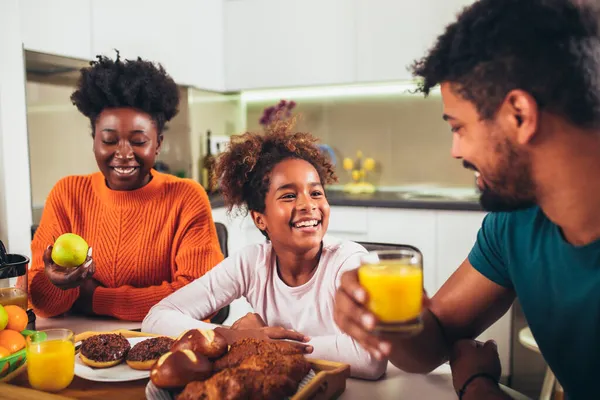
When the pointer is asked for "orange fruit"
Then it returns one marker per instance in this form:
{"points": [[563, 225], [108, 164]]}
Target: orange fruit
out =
{"points": [[12, 340], [4, 353], [17, 318]]}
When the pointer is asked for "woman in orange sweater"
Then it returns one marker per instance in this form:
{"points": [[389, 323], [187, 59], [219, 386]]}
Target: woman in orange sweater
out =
{"points": [[151, 233]]}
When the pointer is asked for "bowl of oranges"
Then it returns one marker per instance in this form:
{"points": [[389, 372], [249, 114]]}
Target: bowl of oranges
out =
{"points": [[13, 321]]}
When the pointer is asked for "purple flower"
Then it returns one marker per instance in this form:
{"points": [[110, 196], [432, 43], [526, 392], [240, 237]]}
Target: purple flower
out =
{"points": [[282, 110]]}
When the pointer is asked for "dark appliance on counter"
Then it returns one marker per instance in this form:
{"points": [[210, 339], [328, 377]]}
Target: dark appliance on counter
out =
{"points": [[13, 282]]}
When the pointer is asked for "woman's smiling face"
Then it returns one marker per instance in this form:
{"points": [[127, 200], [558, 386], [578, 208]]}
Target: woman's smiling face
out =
{"points": [[126, 143]]}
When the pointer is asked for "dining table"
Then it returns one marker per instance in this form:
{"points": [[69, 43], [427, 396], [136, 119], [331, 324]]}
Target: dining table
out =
{"points": [[395, 384]]}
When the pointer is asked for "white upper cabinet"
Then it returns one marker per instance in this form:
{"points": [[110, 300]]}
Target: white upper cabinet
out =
{"points": [[282, 43], [391, 34], [185, 36], [60, 27]]}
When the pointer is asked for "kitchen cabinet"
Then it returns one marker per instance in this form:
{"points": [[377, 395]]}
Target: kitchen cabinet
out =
{"points": [[60, 27], [283, 43], [15, 178], [185, 36], [391, 34], [349, 223], [456, 232]]}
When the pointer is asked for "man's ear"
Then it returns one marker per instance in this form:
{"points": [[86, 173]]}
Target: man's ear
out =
{"points": [[520, 113], [259, 220]]}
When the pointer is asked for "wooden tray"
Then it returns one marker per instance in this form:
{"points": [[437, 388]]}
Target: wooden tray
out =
{"points": [[328, 383]]}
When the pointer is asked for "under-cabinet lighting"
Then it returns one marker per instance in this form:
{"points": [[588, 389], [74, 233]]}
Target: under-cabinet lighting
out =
{"points": [[404, 88]]}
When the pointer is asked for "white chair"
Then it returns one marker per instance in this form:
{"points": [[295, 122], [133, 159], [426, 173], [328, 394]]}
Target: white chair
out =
{"points": [[550, 386]]}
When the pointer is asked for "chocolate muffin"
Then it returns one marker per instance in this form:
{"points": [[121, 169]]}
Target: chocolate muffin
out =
{"points": [[147, 352], [104, 350]]}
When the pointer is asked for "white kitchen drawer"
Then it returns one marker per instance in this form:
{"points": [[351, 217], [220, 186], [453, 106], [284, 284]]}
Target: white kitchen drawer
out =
{"points": [[350, 220]]}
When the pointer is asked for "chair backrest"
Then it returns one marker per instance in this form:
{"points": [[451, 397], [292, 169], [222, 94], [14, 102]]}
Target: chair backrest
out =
{"points": [[372, 246], [222, 236]]}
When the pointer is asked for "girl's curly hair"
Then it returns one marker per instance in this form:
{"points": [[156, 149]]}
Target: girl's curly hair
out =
{"points": [[243, 170]]}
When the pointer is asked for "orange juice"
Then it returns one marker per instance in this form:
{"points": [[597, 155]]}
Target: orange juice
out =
{"points": [[395, 290], [13, 296], [51, 364]]}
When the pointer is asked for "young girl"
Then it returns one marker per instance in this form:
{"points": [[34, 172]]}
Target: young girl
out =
{"points": [[290, 280]]}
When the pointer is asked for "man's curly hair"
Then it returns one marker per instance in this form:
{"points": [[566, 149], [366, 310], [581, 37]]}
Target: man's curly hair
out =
{"points": [[139, 84], [548, 48], [243, 170]]}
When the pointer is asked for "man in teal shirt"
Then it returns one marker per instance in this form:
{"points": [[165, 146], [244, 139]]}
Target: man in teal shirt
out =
{"points": [[520, 83], [558, 285]]}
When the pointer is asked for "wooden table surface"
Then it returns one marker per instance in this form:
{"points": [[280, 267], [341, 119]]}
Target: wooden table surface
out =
{"points": [[80, 388], [19, 389], [396, 384]]}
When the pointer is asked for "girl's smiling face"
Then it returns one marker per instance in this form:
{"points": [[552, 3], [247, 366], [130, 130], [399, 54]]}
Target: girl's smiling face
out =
{"points": [[296, 213]]}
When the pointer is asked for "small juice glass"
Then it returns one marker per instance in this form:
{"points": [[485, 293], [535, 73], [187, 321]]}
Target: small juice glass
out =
{"points": [[393, 280], [51, 359]]}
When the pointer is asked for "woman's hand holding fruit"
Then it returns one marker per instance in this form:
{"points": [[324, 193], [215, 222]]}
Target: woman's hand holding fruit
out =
{"points": [[68, 263]]}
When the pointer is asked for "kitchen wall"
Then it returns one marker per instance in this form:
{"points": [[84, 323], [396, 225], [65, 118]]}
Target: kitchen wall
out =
{"points": [[60, 142], [222, 114], [405, 134]]}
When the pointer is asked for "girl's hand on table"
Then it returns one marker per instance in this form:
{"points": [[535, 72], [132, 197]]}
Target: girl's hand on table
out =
{"points": [[68, 278], [253, 326]]}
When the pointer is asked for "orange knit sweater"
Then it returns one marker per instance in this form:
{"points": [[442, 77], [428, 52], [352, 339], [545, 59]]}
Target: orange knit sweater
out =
{"points": [[146, 243]]}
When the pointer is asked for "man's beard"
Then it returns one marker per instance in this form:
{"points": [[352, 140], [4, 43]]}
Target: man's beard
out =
{"points": [[511, 188]]}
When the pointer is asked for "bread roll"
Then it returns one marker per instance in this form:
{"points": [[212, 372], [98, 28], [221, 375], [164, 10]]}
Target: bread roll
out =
{"points": [[176, 369], [207, 342]]}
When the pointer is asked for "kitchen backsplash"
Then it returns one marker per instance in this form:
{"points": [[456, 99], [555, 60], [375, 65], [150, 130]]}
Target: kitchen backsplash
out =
{"points": [[405, 134]]}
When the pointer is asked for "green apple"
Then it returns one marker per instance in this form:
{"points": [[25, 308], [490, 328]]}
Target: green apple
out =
{"points": [[69, 250], [3, 318]]}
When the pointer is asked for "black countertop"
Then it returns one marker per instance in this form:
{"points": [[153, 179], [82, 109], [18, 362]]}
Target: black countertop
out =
{"points": [[383, 200]]}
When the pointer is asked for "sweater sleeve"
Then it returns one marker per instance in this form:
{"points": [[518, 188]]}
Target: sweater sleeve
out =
{"points": [[198, 251], [186, 308], [46, 299]]}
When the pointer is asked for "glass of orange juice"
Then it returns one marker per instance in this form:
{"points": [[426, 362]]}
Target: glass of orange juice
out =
{"points": [[51, 359], [393, 280]]}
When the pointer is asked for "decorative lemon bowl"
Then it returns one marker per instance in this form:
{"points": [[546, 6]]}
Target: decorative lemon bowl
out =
{"points": [[358, 172]]}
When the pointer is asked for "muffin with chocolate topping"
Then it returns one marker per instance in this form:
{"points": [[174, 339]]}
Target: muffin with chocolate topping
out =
{"points": [[104, 350], [147, 352]]}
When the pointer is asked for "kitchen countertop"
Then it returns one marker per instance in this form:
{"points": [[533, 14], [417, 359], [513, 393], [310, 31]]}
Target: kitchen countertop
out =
{"points": [[387, 199], [395, 384]]}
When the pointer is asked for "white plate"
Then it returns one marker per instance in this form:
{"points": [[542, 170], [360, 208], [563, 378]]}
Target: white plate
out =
{"points": [[118, 373]]}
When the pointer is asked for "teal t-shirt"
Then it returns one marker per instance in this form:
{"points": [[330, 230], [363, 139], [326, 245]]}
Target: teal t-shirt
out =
{"points": [[558, 286]]}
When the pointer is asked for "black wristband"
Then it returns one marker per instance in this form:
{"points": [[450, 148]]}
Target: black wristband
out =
{"points": [[461, 392]]}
